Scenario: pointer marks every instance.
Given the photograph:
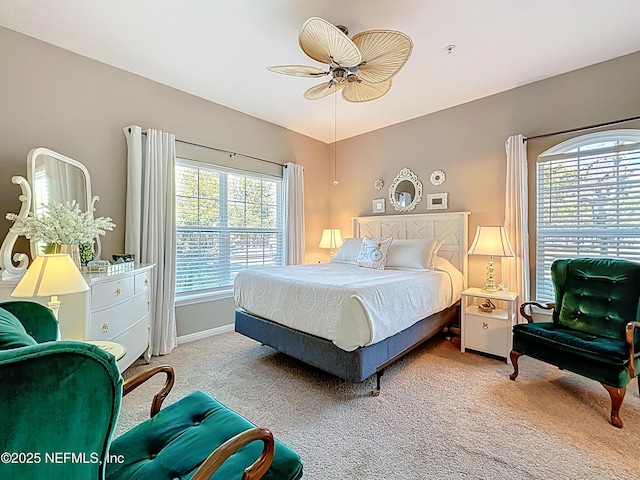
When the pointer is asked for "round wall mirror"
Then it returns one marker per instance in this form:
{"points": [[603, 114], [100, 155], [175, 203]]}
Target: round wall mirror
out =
{"points": [[406, 191]]}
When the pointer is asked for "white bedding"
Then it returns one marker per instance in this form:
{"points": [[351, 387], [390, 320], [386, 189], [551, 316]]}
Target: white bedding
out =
{"points": [[349, 305]]}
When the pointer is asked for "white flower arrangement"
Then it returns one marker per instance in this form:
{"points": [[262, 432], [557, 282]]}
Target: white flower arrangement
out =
{"points": [[62, 223]]}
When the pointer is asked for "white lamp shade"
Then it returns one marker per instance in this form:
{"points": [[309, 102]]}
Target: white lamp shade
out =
{"points": [[50, 275], [331, 238], [491, 241]]}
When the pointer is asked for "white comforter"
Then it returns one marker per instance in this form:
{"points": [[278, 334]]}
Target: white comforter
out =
{"points": [[349, 305]]}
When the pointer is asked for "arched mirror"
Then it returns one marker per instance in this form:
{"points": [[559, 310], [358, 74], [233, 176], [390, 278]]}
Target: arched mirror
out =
{"points": [[56, 178], [406, 191]]}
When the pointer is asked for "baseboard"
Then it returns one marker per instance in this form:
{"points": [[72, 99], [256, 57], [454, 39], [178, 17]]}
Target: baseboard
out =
{"points": [[191, 337]]}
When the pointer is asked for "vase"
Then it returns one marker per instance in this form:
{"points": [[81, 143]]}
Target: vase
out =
{"points": [[70, 249]]}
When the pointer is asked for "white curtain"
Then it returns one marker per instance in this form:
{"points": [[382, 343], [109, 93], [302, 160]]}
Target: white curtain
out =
{"points": [[151, 224], [515, 270], [293, 180]]}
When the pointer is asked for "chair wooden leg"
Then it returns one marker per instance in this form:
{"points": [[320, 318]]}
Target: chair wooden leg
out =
{"points": [[617, 396], [514, 361]]}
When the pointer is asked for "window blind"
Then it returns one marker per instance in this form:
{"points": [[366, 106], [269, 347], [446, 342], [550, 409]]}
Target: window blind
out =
{"points": [[226, 221], [588, 204]]}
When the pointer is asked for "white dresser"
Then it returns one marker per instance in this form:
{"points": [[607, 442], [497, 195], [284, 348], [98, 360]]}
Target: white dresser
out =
{"points": [[116, 307]]}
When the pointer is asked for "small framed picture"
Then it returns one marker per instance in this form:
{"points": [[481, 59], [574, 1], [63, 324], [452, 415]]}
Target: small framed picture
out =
{"points": [[437, 201], [378, 205]]}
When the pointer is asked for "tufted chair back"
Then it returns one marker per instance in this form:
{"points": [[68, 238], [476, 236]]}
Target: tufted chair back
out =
{"points": [[595, 295], [59, 400]]}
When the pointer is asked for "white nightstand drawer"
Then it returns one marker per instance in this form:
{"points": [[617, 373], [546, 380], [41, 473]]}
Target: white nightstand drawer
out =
{"points": [[487, 332], [105, 294]]}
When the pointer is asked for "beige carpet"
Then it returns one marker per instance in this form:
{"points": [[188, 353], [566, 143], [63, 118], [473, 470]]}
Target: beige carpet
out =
{"points": [[442, 414]]}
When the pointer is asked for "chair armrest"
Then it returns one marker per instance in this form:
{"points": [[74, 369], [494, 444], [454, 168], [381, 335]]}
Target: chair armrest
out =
{"points": [[529, 316], [138, 379], [256, 470], [632, 348]]}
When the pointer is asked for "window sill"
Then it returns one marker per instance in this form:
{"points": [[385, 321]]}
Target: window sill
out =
{"points": [[193, 299]]}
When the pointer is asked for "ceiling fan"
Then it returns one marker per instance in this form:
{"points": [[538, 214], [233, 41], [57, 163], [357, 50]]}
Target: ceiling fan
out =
{"points": [[362, 67]]}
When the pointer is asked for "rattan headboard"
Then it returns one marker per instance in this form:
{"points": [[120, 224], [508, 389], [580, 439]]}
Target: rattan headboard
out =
{"points": [[451, 227]]}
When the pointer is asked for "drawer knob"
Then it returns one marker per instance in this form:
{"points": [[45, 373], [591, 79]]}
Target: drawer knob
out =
{"points": [[146, 282], [105, 327], [485, 325], [149, 328], [118, 291]]}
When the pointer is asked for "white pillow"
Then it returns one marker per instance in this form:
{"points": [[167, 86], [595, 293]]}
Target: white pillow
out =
{"points": [[418, 254], [348, 252], [373, 253]]}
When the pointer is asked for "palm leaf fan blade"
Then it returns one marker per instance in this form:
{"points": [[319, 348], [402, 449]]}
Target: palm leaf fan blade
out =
{"points": [[363, 92], [322, 90], [298, 70], [325, 43], [385, 53]]}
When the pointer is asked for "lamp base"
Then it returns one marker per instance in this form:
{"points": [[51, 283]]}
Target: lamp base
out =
{"points": [[54, 306], [490, 284], [490, 289]]}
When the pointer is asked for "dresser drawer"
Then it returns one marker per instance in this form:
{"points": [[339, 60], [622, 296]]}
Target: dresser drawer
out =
{"points": [[105, 294], [142, 282], [136, 338], [111, 322], [487, 333]]}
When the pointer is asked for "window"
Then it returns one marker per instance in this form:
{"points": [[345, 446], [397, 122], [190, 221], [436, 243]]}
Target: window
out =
{"points": [[226, 221], [588, 201]]}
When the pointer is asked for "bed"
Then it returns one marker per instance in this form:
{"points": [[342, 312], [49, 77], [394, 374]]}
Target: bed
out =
{"points": [[351, 321]]}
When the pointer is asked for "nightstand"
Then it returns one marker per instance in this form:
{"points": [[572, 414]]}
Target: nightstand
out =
{"points": [[488, 332]]}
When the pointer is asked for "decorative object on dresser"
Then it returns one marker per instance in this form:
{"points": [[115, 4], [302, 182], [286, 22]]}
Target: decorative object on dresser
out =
{"points": [[406, 191], [51, 275], [491, 241], [331, 239], [437, 201], [485, 327], [61, 227]]}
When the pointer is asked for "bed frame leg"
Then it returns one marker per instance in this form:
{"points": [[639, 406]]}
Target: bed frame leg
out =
{"points": [[376, 392]]}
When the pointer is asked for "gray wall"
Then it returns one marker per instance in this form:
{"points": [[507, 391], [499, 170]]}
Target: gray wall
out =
{"points": [[53, 98], [467, 142]]}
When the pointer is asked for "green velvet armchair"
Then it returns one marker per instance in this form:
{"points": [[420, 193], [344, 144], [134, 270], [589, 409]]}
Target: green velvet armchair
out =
{"points": [[595, 327], [60, 401]]}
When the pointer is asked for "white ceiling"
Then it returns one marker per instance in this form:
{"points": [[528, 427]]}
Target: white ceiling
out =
{"points": [[219, 49]]}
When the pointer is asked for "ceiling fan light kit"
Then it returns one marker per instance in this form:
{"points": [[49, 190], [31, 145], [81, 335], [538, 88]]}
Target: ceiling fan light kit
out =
{"points": [[361, 67]]}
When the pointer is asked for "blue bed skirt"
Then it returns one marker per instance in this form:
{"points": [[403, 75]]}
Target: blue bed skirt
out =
{"points": [[354, 366]]}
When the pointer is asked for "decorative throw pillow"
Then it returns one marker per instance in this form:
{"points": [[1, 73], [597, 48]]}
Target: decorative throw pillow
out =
{"points": [[348, 252], [12, 333], [373, 252], [416, 254]]}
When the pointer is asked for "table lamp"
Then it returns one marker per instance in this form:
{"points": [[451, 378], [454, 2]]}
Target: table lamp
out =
{"points": [[491, 241], [51, 275], [331, 238]]}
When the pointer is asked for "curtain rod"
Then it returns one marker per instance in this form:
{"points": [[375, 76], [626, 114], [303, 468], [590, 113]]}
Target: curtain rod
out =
{"points": [[231, 154], [579, 129]]}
